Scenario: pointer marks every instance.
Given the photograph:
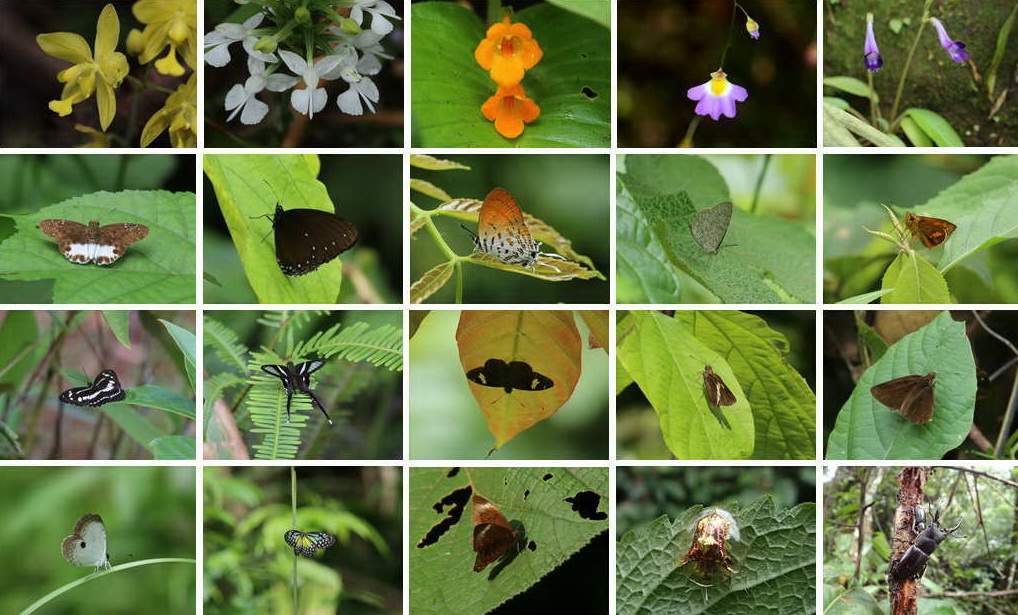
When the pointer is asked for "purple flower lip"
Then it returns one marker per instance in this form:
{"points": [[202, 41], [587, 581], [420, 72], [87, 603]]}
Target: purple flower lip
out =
{"points": [[717, 97], [871, 54], [955, 49]]}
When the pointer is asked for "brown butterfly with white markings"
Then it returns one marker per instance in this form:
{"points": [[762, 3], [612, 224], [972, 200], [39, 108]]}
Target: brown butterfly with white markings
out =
{"points": [[718, 393], [102, 245]]}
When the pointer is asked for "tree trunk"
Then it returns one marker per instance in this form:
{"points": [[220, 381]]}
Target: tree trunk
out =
{"points": [[911, 482]]}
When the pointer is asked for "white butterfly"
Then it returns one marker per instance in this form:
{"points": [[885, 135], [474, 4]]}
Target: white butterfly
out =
{"points": [[87, 545]]}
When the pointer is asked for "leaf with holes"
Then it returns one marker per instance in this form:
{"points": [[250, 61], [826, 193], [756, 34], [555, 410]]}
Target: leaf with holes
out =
{"points": [[555, 512]]}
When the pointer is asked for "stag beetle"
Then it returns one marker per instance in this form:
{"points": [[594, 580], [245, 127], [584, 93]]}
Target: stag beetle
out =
{"points": [[912, 564]]}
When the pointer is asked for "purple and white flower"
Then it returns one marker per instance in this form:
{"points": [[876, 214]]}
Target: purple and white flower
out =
{"points": [[955, 49], [870, 54], [717, 97]]}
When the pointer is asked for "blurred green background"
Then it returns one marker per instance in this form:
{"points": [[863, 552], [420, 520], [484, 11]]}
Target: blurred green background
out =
{"points": [[638, 429], [249, 568], [30, 182], [645, 493], [854, 188], [365, 189], [364, 401], [569, 192], [149, 512], [667, 47], [446, 422]]}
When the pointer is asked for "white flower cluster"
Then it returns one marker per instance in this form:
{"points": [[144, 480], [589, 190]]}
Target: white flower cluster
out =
{"points": [[354, 58]]}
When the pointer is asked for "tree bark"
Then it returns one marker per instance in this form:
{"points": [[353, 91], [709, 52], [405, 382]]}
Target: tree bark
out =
{"points": [[911, 482]]}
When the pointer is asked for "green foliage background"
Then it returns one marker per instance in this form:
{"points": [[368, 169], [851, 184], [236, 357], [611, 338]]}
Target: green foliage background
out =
{"points": [[149, 512]]}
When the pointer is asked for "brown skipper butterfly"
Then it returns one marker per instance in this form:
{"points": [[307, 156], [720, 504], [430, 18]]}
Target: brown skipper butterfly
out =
{"points": [[718, 393], [910, 396], [493, 535], [931, 231]]}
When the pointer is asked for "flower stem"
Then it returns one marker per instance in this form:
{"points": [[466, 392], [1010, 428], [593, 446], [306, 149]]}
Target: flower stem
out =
{"points": [[908, 64], [687, 141], [293, 512], [731, 28], [874, 108], [759, 182]]}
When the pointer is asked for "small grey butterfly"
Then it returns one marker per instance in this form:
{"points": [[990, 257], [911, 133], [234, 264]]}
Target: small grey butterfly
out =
{"points": [[710, 226]]}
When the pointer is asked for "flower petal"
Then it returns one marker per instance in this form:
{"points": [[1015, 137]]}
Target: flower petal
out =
{"points": [[107, 33], [66, 46], [107, 100], [254, 112]]}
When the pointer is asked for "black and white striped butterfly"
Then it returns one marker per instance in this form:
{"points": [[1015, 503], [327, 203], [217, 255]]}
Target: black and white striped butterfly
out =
{"points": [[297, 378], [105, 389], [308, 543]]}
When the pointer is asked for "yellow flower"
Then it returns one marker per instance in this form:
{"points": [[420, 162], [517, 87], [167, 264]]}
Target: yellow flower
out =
{"points": [[168, 22], [179, 114], [99, 74], [507, 52], [510, 108], [96, 138]]}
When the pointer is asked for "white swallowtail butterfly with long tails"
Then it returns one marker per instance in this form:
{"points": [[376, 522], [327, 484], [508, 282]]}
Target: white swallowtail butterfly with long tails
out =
{"points": [[86, 546], [103, 390], [101, 245], [308, 543], [297, 378]]}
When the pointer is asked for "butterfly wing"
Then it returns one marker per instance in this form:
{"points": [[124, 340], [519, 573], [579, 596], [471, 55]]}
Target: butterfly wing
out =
{"points": [[307, 543], [86, 546], [930, 231], [491, 541], [718, 393], [502, 231], [492, 374], [524, 378], [304, 370], [710, 226], [104, 390], [308, 238], [113, 240], [68, 235]]}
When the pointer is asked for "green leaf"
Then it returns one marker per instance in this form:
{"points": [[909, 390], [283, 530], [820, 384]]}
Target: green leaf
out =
{"points": [[912, 279], [667, 361], [597, 10], [866, 297], [774, 562], [784, 407], [643, 272], [157, 269], [173, 447], [982, 205], [441, 576], [154, 396], [571, 84], [119, 322], [186, 343], [914, 133], [840, 103], [935, 127], [850, 85], [138, 427], [840, 122], [750, 266], [998, 52], [867, 429], [247, 187]]}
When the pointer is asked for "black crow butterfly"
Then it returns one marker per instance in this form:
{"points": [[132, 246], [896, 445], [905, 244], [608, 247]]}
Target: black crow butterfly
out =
{"points": [[509, 376], [105, 389], [297, 378], [309, 238], [308, 543]]}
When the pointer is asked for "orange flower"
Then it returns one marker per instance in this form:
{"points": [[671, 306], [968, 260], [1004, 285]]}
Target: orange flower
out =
{"points": [[509, 108], [508, 51]]}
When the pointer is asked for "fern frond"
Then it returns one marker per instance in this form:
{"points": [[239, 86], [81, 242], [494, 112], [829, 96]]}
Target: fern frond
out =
{"points": [[215, 387], [225, 344], [266, 404], [381, 346]]}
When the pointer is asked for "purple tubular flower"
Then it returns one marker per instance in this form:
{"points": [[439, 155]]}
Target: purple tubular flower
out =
{"points": [[717, 97], [955, 49], [870, 54]]}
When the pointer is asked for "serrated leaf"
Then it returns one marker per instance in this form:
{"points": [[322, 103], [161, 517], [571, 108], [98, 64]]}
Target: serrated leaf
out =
{"points": [[984, 206], [867, 429], [441, 576], [247, 188], [158, 269], [912, 279], [935, 127], [431, 282], [548, 341], [775, 563], [449, 88], [784, 407], [642, 270], [667, 362]]}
